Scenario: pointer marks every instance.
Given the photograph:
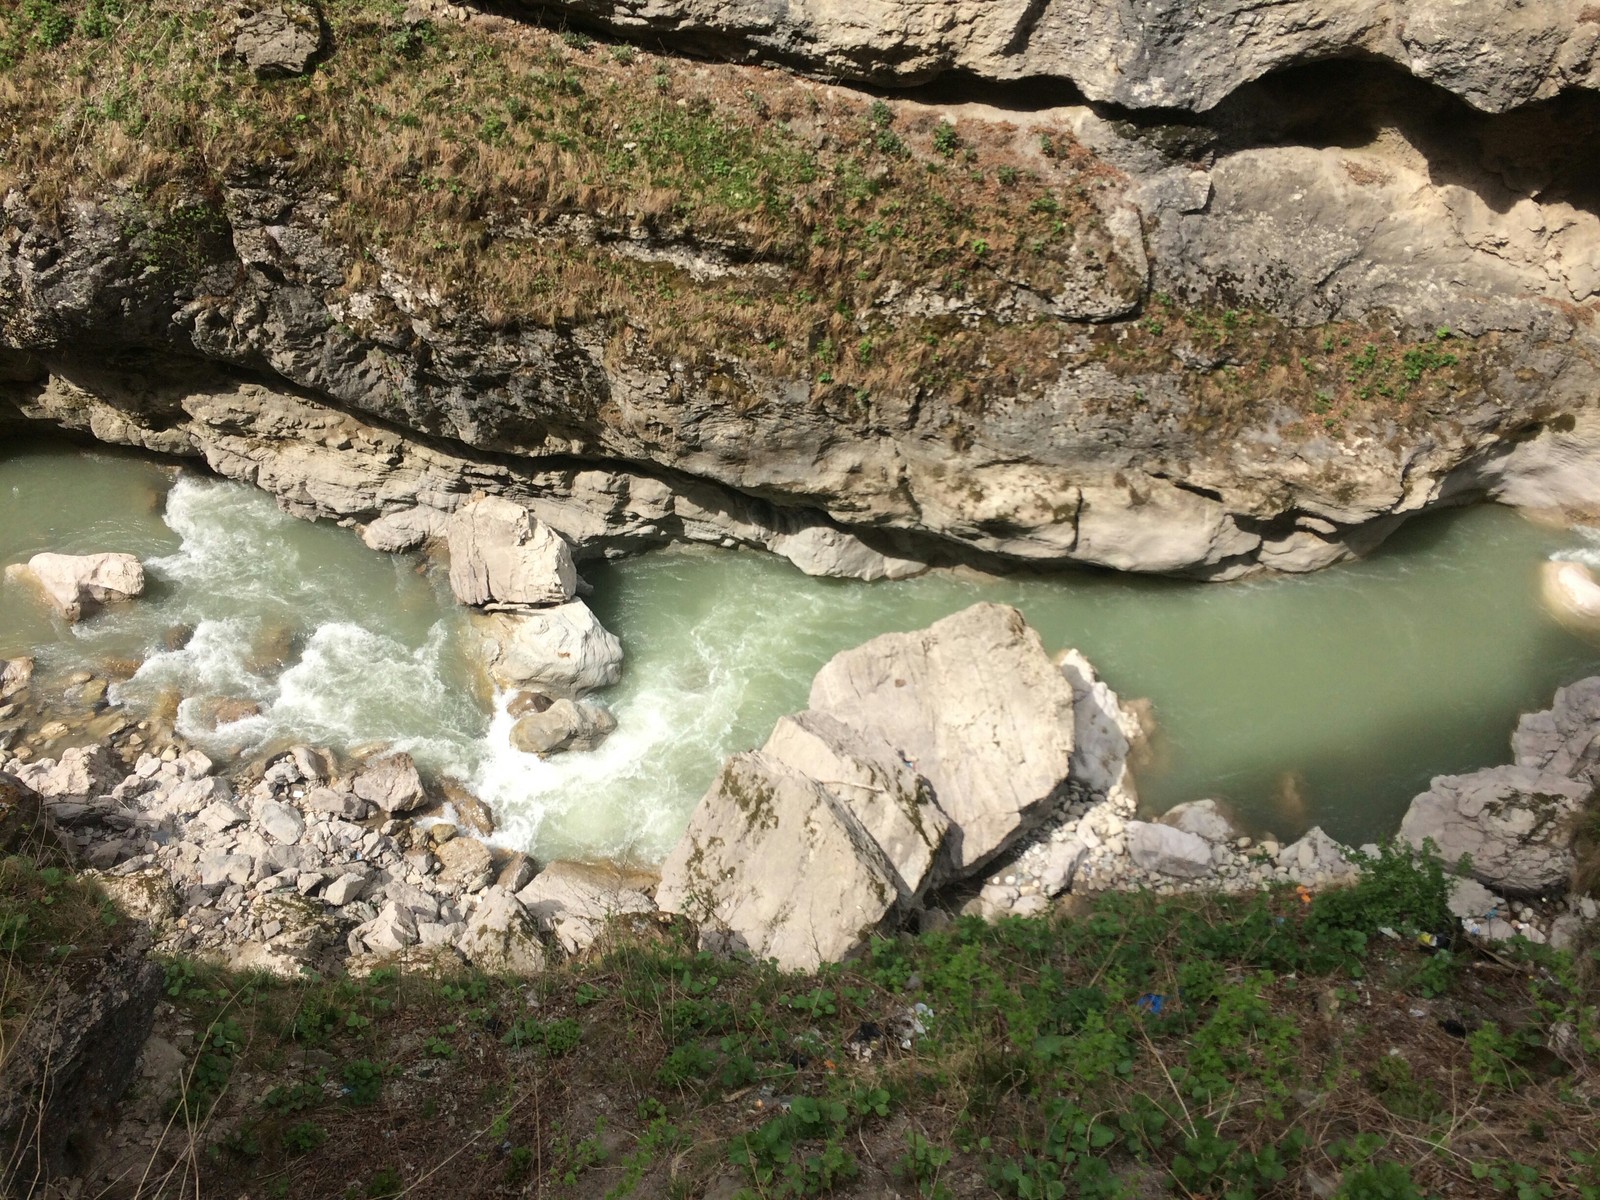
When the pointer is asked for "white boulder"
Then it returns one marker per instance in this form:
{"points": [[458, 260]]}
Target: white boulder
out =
{"points": [[974, 704], [501, 554], [562, 651], [77, 584], [1168, 851], [1515, 823]]}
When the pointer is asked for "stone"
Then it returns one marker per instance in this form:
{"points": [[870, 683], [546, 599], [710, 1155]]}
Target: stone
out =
{"points": [[281, 822], [1515, 823], [565, 725], [574, 901], [467, 864], [500, 937], [346, 805], [976, 707], [1203, 818], [392, 783], [870, 782], [15, 675], [392, 930], [1060, 866], [1316, 859], [524, 703], [211, 713], [1103, 730], [279, 39], [830, 551], [405, 529], [78, 585], [471, 813], [346, 889], [1168, 851], [80, 771], [219, 816], [515, 873], [218, 869], [563, 651], [1564, 739], [1566, 932], [1469, 900], [747, 868], [501, 554]]}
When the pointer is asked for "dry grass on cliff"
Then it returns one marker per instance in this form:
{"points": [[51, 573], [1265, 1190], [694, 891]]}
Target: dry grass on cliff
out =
{"points": [[547, 180], [488, 160]]}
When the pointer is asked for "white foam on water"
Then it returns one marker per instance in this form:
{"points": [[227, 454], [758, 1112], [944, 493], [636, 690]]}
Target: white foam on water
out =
{"points": [[1588, 554]]}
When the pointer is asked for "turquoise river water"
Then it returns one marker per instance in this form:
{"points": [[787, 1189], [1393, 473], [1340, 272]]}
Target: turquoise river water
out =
{"points": [[1329, 698]]}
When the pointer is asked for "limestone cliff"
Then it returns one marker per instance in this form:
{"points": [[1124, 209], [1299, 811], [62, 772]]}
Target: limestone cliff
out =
{"points": [[660, 300]]}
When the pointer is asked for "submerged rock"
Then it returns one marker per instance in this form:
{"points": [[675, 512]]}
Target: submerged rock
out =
{"points": [[563, 651], [975, 705], [1515, 823], [77, 585], [501, 554]]}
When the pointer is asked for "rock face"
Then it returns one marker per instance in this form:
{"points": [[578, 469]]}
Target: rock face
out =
{"points": [[279, 38], [500, 554], [77, 585], [772, 866], [562, 651], [1138, 53], [71, 1063], [1565, 738], [1515, 822], [869, 779], [974, 704]]}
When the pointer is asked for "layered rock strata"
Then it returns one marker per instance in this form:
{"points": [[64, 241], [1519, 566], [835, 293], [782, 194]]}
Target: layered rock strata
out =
{"points": [[1202, 331]]}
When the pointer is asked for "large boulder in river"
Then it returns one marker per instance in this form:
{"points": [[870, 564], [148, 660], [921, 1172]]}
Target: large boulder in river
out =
{"points": [[501, 554], [975, 705], [1564, 739], [78, 584], [562, 651], [1515, 823], [773, 865]]}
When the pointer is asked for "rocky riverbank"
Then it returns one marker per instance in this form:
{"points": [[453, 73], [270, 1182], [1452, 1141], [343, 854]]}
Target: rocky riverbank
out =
{"points": [[958, 768]]}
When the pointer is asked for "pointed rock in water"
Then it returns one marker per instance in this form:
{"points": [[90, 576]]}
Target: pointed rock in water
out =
{"points": [[79, 584], [772, 865], [392, 783], [15, 675], [501, 554], [1516, 823], [975, 705], [563, 651]]}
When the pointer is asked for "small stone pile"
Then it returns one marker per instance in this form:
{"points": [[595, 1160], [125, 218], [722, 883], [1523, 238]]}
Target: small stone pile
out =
{"points": [[305, 869]]}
